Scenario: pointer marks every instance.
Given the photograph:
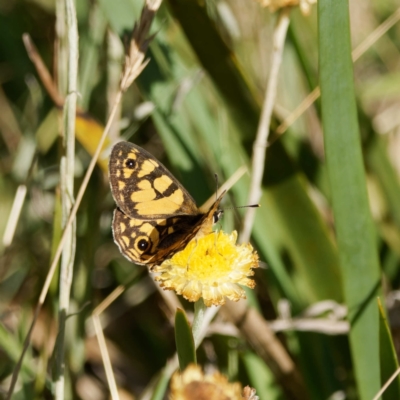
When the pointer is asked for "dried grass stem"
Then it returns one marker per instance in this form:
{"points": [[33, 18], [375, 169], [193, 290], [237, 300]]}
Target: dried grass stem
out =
{"points": [[260, 144]]}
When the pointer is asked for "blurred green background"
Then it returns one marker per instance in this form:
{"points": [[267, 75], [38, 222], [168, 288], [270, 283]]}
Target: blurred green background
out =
{"points": [[196, 107]]}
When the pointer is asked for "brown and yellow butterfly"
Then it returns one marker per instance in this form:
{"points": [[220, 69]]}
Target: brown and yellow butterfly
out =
{"points": [[155, 215]]}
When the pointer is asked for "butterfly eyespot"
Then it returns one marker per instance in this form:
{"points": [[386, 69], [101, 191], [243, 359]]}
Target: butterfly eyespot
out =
{"points": [[129, 163], [143, 244]]}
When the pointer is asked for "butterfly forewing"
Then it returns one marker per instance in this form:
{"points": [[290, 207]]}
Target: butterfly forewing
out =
{"points": [[143, 188]]}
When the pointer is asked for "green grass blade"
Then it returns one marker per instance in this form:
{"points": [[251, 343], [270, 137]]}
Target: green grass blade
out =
{"points": [[354, 225], [184, 340]]}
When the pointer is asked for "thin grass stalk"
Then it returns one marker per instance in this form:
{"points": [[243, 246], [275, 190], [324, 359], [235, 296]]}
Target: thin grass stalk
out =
{"points": [[17, 206], [260, 143], [112, 385], [96, 315], [14, 215], [67, 194], [102, 342], [42, 71], [387, 384]]}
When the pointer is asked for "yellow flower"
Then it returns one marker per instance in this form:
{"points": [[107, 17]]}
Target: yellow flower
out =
{"points": [[211, 267], [192, 384], [249, 393], [305, 5]]}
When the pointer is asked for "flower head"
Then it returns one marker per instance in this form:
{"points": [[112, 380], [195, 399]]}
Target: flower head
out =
{"points": [[249, 393], [192, 384], [211, 267]]}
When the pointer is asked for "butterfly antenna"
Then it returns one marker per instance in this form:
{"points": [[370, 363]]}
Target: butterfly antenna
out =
{"points": [[248, 206]]}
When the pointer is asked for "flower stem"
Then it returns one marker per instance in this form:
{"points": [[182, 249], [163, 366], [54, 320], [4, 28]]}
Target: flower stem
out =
{"points": [[199, 311]]}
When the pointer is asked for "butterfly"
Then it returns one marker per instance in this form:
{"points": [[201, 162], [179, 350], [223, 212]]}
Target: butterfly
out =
{"points": [[155, 215]]}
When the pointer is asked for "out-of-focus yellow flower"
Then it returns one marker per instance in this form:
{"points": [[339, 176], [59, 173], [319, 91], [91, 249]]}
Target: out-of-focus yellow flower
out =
{"points": [[305, 5], [249, 393], [192, 384], [211, 267]]}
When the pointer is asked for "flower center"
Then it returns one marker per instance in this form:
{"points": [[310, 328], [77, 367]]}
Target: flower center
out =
{"points": [[207, 259]]}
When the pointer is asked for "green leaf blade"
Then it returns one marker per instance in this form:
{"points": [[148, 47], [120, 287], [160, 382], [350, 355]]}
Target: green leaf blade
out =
{"points": [[354, 226], [184, 340]]}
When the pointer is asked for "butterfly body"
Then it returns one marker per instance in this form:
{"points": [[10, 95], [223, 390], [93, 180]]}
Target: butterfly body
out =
{"points": [[156, 216]]}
